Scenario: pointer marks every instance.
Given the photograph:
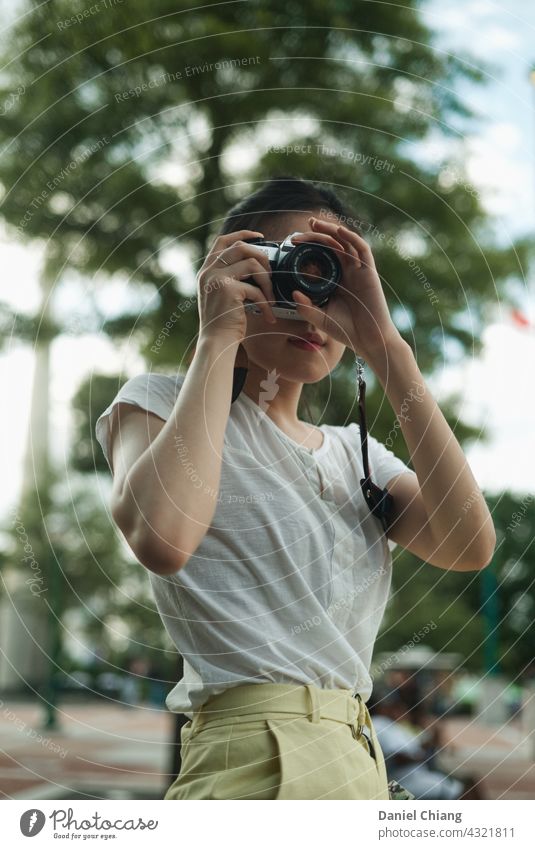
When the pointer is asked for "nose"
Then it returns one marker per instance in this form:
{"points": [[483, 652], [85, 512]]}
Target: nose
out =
{"points": [[311, 328]]}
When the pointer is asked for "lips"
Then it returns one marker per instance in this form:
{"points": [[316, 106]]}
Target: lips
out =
{"points": [[311, 342]]}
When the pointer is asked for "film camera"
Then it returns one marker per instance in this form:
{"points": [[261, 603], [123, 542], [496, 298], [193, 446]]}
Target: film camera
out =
{"points": [[310, 267]]}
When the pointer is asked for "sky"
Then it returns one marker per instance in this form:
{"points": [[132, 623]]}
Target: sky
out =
{"points": [[501, 166]]}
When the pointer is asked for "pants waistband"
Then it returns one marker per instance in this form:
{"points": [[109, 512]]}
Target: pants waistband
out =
{"points": [[272, 700]]}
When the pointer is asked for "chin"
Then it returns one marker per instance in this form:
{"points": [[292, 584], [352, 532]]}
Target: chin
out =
{"points": [[294, 372], [304, 375]]}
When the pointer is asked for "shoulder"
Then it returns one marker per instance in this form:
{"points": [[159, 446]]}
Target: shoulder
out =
{"points": [[384, 463], [153, 392], [151, 383]]}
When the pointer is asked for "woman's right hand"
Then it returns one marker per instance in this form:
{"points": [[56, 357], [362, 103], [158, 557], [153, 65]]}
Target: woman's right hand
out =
{"points": [[222, 290]]}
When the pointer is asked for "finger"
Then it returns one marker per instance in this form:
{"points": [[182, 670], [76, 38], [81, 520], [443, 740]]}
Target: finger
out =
{"points": [[246, 269], [241, 250], [222, 242], [350, 250], [343, 234], [318, 225], [321, 239], [308, 311], [354, 244], [245, 290], [339, 234], [360, 244], [252, 293], [345, 252], [325, 226], [250, 267]]}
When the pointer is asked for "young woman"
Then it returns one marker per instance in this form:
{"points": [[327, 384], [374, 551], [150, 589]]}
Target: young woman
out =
{"points": [[270, 572]]}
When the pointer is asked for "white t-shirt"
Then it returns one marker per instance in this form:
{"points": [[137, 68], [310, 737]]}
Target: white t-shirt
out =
{"points": [[290, 582]]}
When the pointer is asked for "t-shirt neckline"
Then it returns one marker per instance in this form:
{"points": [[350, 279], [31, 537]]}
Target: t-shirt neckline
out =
{"points": [[313, 452]]}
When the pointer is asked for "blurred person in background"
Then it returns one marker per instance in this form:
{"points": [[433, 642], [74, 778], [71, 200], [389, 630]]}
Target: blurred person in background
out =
{"points": [[411, 750]]}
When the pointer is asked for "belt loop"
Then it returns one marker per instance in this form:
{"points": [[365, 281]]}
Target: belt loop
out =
{"points": [[362, 712], [314, 714], [351, 710]]}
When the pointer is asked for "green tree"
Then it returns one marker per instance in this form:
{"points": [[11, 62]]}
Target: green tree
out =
{"points": [[77, 565], [122, 134], [443, 600], [467, 619], [129, 128], [514, 605]]}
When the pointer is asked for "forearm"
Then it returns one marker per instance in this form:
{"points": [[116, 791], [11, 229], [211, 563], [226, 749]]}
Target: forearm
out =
{"points": [[174, 485], [458, 516]]}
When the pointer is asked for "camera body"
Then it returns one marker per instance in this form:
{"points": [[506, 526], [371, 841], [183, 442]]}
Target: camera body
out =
{"points": [[309, 267]]}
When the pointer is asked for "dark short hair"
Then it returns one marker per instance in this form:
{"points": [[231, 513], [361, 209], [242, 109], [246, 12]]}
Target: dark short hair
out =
{"points": [[283, 195]]}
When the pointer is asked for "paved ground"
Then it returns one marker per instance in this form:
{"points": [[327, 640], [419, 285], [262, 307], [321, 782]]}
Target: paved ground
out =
{"points": [[107, 751], [102, 751], [504, 757]]}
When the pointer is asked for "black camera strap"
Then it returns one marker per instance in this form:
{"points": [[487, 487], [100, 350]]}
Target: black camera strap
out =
{"points": [[379, 501], [240, 373]]}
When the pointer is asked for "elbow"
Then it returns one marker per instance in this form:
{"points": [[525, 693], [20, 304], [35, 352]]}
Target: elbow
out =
{"points": [[483, 561], [488, 544], [471, 551], [480, 554], [156, 555], [148, 546]]}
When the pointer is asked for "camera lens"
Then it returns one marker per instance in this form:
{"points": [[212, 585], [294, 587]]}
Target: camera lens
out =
{"points": [[316, 270], [310, 268], [313, 269]]}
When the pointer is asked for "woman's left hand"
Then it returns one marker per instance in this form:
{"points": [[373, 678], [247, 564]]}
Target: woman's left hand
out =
{"points": [[357, 313]]}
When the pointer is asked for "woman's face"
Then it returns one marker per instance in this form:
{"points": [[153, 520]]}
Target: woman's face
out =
{"points": [[274, 346]]}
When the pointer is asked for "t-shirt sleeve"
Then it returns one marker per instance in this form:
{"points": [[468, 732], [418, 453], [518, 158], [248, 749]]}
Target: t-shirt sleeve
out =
{"points": [[153, 392], [384, 465]]}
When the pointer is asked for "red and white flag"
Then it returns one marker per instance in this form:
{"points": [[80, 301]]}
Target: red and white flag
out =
{"points": [[521, 320]]}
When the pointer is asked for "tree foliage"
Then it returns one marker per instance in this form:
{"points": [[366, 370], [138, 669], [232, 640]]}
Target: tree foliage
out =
{"points": [[128, 135], [75, 561], [128, 131], [458, 604]]}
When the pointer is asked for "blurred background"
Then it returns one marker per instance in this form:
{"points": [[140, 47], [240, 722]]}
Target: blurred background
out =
{"points": [[127, 129]]}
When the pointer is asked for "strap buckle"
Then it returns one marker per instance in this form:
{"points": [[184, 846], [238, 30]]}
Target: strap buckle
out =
{"points": [[379, 501], [359, 729]]}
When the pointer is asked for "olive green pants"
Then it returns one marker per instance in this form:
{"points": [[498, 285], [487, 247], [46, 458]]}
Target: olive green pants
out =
{"points": [[278, 741]]}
